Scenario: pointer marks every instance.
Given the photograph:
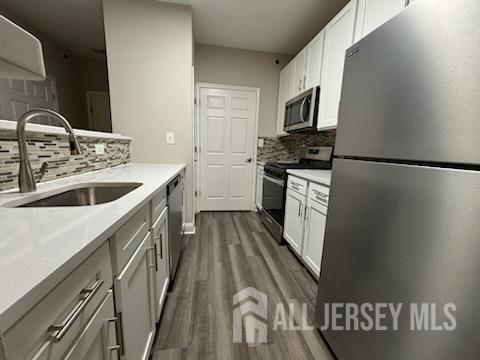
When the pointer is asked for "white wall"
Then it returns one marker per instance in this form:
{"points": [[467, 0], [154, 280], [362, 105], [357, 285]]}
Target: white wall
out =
{"points": [[222, 65], [149, 54]]}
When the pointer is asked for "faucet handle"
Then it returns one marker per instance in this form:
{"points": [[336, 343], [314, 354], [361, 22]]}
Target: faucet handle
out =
{"points": [[41, 173]]}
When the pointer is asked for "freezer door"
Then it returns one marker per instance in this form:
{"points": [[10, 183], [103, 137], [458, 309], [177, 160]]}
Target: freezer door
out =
{"points": [[411, 88], [403, 234]]}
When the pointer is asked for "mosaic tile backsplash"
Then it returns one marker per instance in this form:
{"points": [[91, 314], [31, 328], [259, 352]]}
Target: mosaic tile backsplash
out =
{"points": [[55, 150], [292, 147]]}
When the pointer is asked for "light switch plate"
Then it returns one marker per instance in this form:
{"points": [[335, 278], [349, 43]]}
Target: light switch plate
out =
{"points": [[170, 138], [99, 149]]}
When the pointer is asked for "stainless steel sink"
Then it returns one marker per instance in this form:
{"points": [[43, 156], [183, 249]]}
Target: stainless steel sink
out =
{"points": [[87, 195]]}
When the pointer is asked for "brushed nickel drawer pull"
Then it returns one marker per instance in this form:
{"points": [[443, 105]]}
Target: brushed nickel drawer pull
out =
{"points": [[317, 193], [63, 328]]}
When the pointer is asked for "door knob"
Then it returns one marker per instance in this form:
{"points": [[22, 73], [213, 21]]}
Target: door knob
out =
{"points": [[249, 160]]}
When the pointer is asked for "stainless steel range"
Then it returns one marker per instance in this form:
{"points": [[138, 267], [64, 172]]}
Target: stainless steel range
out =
{"points": [[274, 185]]}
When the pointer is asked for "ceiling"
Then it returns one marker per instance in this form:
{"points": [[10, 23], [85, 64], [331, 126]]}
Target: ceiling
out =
{"points": [[279, 26], [77, 25]]}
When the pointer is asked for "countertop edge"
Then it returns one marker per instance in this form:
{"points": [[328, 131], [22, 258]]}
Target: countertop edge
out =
{"points": [[13, 313], [309, 177]]}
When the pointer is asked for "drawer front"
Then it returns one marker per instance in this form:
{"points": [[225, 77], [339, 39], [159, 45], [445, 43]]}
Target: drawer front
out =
{"points": [[159, 202], [126, 240], [68, 307], [319, 193], [297, 184]]}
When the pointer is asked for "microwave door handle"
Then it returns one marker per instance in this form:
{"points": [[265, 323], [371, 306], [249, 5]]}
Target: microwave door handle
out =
{"points": [[301, 109]]}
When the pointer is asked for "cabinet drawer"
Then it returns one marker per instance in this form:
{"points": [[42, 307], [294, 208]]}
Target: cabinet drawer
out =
{"points": [[319, 193], [99, 338], [69, 306], [126, 240], [159, 202], [297, 184]]}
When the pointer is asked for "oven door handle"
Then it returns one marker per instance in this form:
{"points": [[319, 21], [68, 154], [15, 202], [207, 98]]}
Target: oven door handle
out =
{"points": [[272, 179]]}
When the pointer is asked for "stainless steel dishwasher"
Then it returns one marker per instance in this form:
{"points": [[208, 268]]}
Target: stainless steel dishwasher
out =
{"points": [[175, 219]]}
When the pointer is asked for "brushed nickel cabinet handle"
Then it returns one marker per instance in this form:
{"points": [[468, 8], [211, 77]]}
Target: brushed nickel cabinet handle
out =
{"points": [[153, 249], [161, 246], [117, 347], [65, 325]]}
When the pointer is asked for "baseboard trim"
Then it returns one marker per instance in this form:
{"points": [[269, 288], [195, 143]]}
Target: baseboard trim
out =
{"points": [[189, 228]]}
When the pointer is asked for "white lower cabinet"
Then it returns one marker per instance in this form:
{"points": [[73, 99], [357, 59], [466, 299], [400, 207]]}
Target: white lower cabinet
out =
{"points": [[82, 318], [161, 276], [305, 220], [294, 220], [259, 192], [315, 222], [98, 341], [134, 296], [259, 187]]}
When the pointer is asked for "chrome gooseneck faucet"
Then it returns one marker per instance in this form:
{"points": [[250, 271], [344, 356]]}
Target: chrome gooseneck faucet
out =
{"points": [[26, 180]]}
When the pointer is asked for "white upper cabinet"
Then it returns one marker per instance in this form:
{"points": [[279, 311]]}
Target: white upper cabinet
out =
{"points": [[300, 75], [374, 13], [314, 60], [21, 54], [285, 93], [338, 38], [322, 61]]}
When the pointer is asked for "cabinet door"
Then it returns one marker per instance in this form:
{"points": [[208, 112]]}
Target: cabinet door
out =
{"points": [[338, 38], [374, 13], [285, 93], [294, 220], [98, 340], [300, 77], [161, 278], [259, 191], [134, 298], [314, 60], [314, 235]]}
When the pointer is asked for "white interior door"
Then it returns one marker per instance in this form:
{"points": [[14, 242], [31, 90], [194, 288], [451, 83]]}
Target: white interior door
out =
{"points": [[227, 132], [99, 111]]}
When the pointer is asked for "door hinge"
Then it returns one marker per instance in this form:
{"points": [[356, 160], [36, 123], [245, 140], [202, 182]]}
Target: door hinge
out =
{"points": [[197, 193], [196, 149]]}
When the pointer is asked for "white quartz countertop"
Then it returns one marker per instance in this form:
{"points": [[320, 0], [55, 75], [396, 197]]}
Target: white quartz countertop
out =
{"points": [[40, 246], [319, 176]]}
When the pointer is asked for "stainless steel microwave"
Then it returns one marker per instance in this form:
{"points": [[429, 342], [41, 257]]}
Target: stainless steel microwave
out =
{"points": [[301, 112]]}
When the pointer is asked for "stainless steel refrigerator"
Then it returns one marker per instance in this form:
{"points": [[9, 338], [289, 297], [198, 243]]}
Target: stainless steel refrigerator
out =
{"points": [[404, 217]]}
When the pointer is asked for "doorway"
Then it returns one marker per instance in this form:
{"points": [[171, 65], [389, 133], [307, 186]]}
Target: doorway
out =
{"points": [[227, 125], [99, 115]]}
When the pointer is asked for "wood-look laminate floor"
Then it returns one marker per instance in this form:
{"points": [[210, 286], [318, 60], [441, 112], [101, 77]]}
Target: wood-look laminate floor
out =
{"points": [[229, 252]]}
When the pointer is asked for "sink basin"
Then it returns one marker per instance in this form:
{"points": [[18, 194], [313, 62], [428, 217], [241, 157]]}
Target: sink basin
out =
{"points": [[87, 195]]}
